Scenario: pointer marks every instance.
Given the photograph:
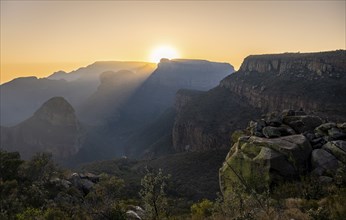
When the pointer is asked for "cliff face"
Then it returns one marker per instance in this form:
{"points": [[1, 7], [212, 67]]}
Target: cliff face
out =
{"points": [[315, 82], [53, 128], [206, 121], [183, 97], [190, 74], [314, 65]]}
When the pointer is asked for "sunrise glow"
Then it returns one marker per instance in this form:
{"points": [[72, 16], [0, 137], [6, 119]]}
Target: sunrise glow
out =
{"points": [[163, 52]]}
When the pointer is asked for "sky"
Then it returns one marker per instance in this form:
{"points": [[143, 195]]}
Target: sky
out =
{"points": [[41, 37]]}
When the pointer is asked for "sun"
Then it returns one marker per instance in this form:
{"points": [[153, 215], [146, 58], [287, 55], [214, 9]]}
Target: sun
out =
{"points": [[163, 52]]}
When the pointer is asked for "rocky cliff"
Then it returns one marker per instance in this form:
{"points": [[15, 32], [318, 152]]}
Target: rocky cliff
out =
{"points": [[315, 82], [53, 128], [206, 121], [312, 81]]}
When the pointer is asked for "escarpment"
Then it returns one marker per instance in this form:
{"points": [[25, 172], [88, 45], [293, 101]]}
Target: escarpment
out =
{"points": [[312, 81], [315, 82]]}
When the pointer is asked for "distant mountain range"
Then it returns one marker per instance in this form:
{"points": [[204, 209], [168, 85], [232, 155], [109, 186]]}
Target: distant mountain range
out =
{"points": [[181, 106], [111, 104], [21, 97]]}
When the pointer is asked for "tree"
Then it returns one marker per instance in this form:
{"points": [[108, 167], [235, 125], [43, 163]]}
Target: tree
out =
{"points": [[202, 209], [104, 200], [9, 164], [153, 194]]}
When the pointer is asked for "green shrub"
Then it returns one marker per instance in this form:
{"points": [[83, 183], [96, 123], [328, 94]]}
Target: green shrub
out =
{"points": [[202, 209]]}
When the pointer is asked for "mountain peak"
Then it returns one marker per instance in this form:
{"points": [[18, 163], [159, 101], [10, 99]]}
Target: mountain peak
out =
{"points": [[57, 111]]}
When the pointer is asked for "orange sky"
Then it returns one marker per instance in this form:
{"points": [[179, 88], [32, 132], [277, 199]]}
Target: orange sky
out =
{"points": [[40, 37]]}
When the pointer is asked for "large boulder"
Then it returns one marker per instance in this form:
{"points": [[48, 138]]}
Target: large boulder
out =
{"points": [[331, 131], [337, 148], [272, 132], [262, 161], [323, 162], [302, 123]]}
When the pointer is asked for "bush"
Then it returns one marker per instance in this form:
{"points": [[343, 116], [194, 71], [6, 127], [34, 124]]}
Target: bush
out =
{"points": [[202, 209]]}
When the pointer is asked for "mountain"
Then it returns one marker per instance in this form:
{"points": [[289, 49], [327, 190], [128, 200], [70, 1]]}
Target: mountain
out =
{"points": [[92, 72], [53, 128], [119, 106], [114, 90], [158, 92], [315, 82], [147, 107], [22, 96]]}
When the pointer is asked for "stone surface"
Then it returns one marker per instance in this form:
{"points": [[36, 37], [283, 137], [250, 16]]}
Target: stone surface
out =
{"points": [[302, 123], [268, 159], [335, 148], [321, 158]]}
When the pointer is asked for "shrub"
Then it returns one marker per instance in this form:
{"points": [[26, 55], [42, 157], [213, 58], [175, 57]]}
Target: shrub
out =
{"points": [[202, 209]]}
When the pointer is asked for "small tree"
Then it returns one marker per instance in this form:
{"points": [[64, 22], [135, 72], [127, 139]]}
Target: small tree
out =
{"points": [[153, 194], [104, 200]]}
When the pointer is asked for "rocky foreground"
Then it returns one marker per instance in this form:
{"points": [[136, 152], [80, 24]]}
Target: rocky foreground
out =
{"points": [[284, 146]]}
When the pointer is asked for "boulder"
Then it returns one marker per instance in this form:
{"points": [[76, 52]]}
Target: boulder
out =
{"points": [[302, 123], [272, 132], [325, 179], [322, 130], [82, 184], [273, 119], [255, 128], [323, 161], [342, 126], [138, 210], [132, 215], [337, 148], [336, 134], [288, 112], [261, 160]]}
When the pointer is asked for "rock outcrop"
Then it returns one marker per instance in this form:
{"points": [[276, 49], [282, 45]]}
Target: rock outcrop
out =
{"points": [[315, 82], [53, 128], [312, 81], [307, 145]]}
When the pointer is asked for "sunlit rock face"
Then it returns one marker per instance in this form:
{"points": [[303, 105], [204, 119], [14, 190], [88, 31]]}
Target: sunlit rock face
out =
{"points": [[53, 128]]}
